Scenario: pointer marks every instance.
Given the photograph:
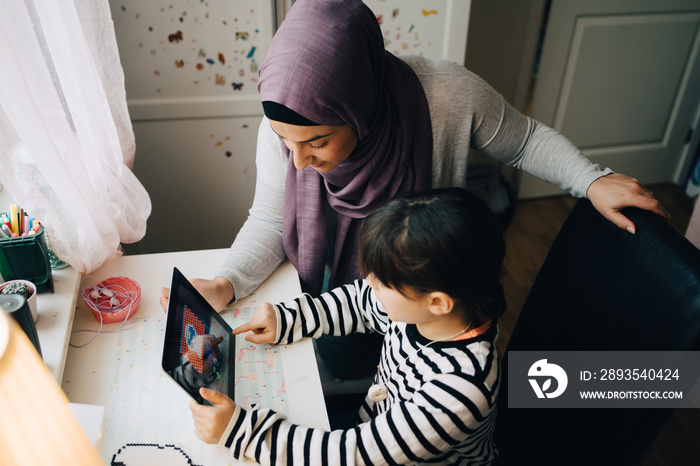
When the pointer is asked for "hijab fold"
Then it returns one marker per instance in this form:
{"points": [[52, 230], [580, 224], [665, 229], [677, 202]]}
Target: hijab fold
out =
{"points": [[327, 63]]}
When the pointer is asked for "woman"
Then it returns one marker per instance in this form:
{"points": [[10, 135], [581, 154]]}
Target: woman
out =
{"points": [[348, 127]]}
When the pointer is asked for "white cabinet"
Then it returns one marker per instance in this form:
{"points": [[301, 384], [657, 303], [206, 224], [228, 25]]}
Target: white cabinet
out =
{"points": [[191, 71]]}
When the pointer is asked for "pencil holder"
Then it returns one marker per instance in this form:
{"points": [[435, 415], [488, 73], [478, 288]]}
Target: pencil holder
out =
{"points": [[26, 258]]}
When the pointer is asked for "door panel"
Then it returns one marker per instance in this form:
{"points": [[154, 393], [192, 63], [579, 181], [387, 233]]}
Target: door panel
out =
{"points": [[621, 80]]}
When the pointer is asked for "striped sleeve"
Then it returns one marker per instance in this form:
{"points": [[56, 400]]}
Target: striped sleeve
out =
{"points": [[440, 405], [352, 308], [449, 420]]}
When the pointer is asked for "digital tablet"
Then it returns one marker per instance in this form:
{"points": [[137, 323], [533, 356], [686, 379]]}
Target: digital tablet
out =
{"points": [[199, 347]]}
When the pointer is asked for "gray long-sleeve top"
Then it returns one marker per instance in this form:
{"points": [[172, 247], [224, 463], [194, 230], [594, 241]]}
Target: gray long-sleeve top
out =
{"points": [[465, 113]]}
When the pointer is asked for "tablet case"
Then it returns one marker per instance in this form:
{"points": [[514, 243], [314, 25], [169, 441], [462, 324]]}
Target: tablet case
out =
{"points": [[199, 346]]}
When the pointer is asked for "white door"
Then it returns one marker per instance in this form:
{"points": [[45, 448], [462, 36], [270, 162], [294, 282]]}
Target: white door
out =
{"points": [[621, 79]]}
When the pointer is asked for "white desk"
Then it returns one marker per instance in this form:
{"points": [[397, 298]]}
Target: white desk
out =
{"points": [[122, 371]]}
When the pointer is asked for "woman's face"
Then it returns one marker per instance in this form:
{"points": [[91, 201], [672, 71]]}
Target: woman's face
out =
{"points": [[322, 147]]}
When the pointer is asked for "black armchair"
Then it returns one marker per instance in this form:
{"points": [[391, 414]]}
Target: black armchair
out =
{"points": [[601, 289]]}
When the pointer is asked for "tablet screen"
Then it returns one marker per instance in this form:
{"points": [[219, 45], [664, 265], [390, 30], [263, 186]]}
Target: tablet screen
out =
{"points": [[199, 346]]}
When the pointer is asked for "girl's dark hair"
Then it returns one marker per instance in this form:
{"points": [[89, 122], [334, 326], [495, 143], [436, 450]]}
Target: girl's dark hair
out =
{"points": [[444, 240]]}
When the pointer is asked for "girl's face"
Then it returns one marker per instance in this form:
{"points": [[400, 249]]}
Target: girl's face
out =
{"points": [[412, 309], [322, 147]]}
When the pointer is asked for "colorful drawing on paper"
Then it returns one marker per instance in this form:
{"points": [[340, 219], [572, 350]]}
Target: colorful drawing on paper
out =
{"points": [[141, 386], [259, 372]]}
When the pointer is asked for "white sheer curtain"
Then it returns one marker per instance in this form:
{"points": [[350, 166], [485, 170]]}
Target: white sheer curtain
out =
{"points": [[66, 141]]}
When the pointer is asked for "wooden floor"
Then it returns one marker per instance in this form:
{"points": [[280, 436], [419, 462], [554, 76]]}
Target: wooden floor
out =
{"points": [[529, 236]]}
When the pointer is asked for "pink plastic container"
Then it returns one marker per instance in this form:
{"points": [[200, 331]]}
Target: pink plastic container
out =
{"points": [[114, 299]]}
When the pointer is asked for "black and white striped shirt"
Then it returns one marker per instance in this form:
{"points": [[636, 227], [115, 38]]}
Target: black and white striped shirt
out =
{"points": [[441, 399]]}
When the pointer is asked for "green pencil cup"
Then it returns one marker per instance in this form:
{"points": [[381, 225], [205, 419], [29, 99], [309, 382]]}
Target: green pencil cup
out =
{"points": [[27, 258]]}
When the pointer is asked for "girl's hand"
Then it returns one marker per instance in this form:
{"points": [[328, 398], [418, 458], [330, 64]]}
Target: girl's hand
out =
{"points": [[218, 292], [612, 193], [263, 325], [210, 421]]}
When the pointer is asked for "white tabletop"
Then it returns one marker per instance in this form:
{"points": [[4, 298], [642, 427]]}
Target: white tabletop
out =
{"points": [[146, 413]]}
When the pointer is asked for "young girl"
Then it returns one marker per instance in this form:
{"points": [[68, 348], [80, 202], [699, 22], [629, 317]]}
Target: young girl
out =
{"points": [[433, 265]]}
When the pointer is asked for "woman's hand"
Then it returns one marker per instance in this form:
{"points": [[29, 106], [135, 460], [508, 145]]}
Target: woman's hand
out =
{"points": [[218, 292], [210, 421], [612, 193], [263, 325]]}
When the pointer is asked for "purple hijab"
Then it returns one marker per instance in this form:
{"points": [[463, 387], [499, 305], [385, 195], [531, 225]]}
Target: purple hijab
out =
{"points": [[327, 63]]}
